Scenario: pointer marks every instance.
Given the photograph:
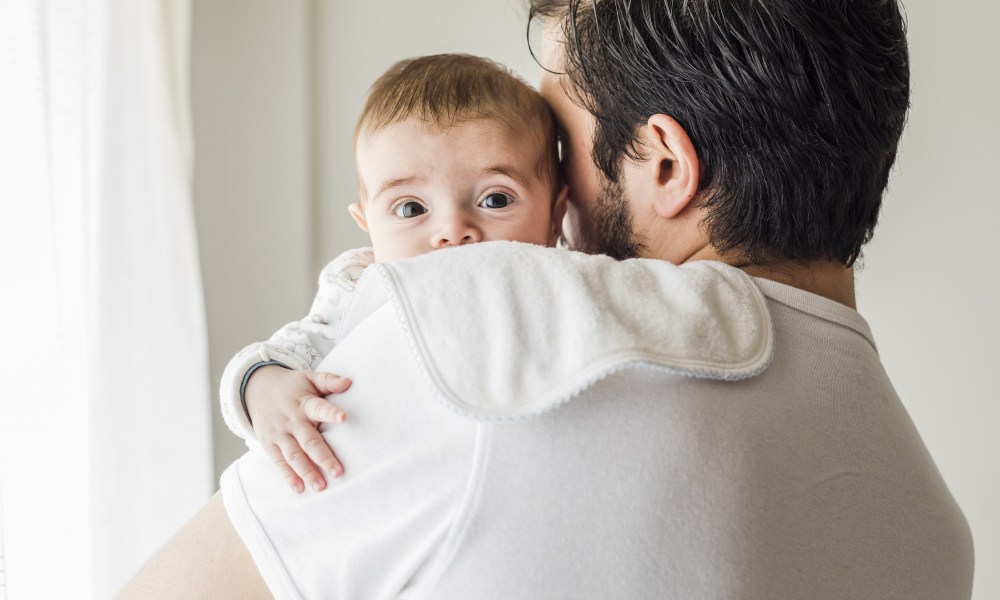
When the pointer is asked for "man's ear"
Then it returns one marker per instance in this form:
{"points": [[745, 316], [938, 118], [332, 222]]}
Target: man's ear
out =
{"points": [[671, 170], [359, 215], [558, 212]]}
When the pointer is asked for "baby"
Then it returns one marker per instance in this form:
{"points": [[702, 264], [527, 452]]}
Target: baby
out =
{"points": [[450, 150]]}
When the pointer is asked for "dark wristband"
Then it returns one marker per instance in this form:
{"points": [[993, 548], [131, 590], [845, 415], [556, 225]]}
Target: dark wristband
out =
{"points": [[246, 379]]}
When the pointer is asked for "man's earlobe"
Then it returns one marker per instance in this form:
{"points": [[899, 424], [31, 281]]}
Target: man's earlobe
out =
{"points": [[674, 163], [558, 212], [358, 214]]}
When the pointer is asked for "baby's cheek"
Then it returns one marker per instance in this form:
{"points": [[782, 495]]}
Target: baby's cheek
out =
{"points": [[537, 232], [386, 248]]}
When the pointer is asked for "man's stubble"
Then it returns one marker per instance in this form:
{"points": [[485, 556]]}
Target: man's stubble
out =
{"points": [[608, 229]]}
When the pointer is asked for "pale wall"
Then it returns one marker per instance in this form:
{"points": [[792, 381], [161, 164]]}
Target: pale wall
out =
{"points": [[251, 90], [931, 284], [931, 280]]}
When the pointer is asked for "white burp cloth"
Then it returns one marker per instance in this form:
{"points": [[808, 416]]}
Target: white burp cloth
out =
{"points": [[484, 322]]}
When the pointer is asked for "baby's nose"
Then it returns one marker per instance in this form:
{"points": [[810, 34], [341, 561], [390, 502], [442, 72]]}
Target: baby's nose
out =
{"points": [[456, 231]]}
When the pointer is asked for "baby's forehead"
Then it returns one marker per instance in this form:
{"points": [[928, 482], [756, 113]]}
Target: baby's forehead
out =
{"points": [[527, 143], [526, 128]]}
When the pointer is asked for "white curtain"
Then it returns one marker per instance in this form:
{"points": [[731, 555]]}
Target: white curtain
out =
{"points": [[105, 410]]}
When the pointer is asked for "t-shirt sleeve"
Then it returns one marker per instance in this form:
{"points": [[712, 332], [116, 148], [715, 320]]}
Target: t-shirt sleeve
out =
{"points": [[383, 525]]}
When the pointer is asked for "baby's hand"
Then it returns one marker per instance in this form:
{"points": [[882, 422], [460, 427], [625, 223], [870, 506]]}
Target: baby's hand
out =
{"points": [[285, 407]]}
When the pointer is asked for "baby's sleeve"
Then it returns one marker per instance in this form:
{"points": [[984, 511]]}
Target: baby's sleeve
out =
{"points": [[300, 344]]}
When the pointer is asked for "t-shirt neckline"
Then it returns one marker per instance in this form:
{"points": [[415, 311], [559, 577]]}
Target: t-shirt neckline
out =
{"points": [[816, 305]]}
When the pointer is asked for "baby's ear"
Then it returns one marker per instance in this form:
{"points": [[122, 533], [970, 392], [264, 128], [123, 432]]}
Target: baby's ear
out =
{"points": [[358, 214]]}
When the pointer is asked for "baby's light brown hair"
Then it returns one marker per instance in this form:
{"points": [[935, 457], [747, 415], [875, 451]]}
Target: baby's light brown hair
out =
{"points": [[445, 90]]}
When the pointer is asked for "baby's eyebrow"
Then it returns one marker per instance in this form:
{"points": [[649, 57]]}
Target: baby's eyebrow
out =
{"points": [[394, 183], [508, 172]]}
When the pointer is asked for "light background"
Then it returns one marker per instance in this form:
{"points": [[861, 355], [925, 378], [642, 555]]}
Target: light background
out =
{"points": [[277, 87]]}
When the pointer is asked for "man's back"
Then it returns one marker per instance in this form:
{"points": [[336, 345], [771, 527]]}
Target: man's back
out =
{"points": [[810, 476], [645, 481]]}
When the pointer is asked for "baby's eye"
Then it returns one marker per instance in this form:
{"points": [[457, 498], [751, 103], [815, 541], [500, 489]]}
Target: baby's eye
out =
{"points": [[409, 209], [496, 200]]}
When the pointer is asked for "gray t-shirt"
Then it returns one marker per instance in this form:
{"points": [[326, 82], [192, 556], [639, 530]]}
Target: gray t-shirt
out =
{"points": [[787, 469]]}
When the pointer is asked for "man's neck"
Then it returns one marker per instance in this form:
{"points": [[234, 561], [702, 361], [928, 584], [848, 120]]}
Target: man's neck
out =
{"points": [[821, 277]]}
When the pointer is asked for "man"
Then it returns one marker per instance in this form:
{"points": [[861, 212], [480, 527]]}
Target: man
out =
{"points": [[762, 452]]}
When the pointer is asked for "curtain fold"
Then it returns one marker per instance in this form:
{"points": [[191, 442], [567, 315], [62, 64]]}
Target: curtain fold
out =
{"points": [[105, 417]]}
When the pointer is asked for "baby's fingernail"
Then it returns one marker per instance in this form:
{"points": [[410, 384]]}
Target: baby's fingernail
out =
{"points": [[296, 488], [317, 486], [341, 416], [336, 471]]}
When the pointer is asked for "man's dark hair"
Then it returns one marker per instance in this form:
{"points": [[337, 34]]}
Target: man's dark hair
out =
{"points": [[795, 108]]}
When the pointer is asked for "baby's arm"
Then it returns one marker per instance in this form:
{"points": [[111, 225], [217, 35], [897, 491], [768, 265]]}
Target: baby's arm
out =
{"points": [[287, 406]]}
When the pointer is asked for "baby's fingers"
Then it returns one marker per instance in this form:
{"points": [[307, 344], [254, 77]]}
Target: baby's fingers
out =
{"points": [[321, 410], [301, 464], [319, 451], [293, 480], [327, 383]]}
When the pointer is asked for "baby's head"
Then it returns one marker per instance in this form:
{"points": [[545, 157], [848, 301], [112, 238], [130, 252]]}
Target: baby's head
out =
{"points": [[453, 149]]}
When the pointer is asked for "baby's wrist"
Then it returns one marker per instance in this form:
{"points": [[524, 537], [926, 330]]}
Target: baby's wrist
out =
{"points": [[246, 387]]}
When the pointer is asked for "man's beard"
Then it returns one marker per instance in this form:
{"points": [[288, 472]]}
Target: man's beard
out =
{"points": [[608, 229]]}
